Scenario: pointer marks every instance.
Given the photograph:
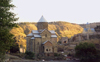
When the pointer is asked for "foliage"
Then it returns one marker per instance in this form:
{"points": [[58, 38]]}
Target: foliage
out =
{"points": [[19, 36], [59, 42], [14, 48], [69, 54], [87, 52], [29, 55], [56, 54], [7, 20]]}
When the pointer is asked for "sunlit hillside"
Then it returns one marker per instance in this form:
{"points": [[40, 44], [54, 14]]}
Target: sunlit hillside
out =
{"points": [[19, 36], [65, 29]]}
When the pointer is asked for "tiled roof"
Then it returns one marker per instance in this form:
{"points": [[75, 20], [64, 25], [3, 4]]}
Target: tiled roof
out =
{"points": [[87, 23], [45, 42], [85, 29], [53, 35], [42, 19], [52, 31], [32, 38], [92, 29], [37, 35], [35, 31], [43, 30], [30, 34]]}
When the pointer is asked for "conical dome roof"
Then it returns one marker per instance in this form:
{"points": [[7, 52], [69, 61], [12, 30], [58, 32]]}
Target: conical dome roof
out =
{"points": [[42, 19]]}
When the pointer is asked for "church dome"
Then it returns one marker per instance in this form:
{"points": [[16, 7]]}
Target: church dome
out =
{"points": [[42, 24], [42, 19]]}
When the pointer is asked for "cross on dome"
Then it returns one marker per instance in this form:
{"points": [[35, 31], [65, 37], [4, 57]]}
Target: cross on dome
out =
{"points": [[42, 19]]}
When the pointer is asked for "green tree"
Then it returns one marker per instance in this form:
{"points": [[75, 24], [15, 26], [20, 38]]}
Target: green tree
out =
{"points": [[7, 19], [87, 52]]}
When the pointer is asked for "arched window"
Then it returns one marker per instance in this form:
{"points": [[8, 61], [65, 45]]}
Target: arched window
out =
{"points": [[64, 41], [46, 49], [45, 35]]}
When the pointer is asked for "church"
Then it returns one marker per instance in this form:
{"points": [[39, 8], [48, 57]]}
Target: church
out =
{"points": [[88, 29], [42, 41]]}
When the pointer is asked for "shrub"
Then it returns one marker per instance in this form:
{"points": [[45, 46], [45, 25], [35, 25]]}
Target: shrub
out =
{"points": [[29, 55], [87, 52]]}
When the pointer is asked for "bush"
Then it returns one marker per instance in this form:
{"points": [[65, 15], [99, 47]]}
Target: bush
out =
{"points": [[29, 55], [14, 48], [55, 54], [87, 52]]}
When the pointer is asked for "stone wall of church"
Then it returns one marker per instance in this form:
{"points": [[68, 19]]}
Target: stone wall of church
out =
{"points": [[37, 45], [54, 41], [30, 44], [45, 36], [42, 25], [48, 47], [27, 43]]}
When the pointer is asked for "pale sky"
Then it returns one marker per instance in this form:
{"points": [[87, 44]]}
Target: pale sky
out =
{"points": [[73, 11]]}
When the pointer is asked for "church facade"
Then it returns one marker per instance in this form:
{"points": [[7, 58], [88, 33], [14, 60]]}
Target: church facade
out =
{"points": [[42, 41]]}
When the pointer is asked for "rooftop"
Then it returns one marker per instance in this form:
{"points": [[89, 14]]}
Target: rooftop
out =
{"points": [[42, 19]]}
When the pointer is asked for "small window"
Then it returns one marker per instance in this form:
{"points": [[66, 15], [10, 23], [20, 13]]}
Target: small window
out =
{"points": [[38, 43], [46, 49], [64, 41], [49, 49], [45, 35]]}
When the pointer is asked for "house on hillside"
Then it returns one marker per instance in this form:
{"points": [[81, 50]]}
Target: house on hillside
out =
{"points": [[97, 28], [88, 29], [64, 40], [42, 41]]}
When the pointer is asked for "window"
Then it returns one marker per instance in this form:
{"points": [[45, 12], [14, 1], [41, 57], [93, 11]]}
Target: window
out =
{"points": [[49, 49], [64, 41], [45, 35], [46, 49]]}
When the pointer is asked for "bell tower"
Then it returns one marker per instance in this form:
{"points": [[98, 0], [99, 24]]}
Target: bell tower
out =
{"points": [[42, 24]]}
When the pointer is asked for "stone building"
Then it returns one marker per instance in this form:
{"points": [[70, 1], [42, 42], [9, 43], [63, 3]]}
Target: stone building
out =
{"points": [[85, 35], [97, 28], [88, 29], [42, 41], [64, 40]]}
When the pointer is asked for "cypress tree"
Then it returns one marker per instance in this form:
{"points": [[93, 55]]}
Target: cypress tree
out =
{"points": [[7, 19]]}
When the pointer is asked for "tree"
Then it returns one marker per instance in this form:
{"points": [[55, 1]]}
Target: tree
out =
{"points": [[87, 52], [14, 48], [7, 19]]}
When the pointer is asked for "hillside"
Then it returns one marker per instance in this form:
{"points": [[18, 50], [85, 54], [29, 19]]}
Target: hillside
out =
{"points": [[62, 29]]}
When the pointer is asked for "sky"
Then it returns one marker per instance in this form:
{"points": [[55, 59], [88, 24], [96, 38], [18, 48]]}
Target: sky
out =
{"points": [[73, 11]]}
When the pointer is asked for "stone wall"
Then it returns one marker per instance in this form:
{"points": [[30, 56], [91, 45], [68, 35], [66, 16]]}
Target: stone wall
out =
{"points": [[37, 45], [42, 25]]}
